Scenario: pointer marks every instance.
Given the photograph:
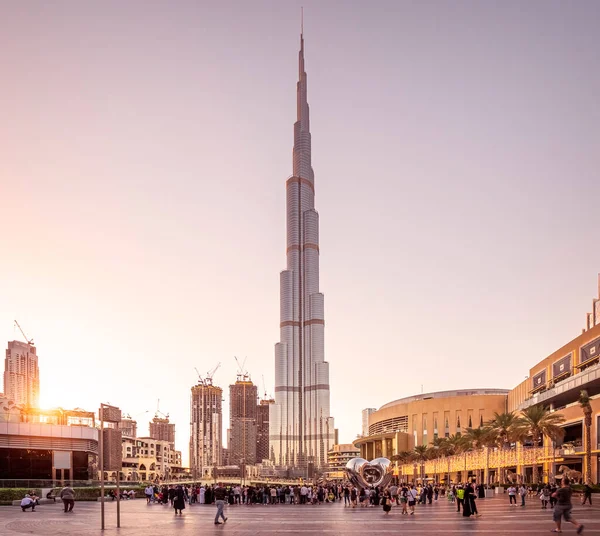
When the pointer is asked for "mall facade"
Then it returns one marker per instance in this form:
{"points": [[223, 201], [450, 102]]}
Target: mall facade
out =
{"points": [[51, 445], [554, 382]]}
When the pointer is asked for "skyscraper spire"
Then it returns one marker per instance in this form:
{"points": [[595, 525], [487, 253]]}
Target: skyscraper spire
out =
{"points": [[301, 431]]}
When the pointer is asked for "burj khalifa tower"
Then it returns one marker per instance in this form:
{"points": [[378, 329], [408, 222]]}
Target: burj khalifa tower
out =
{"points": [[301, 430]]}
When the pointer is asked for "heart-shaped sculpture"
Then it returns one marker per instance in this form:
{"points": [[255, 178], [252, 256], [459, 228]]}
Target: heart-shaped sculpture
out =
{"points": [[366, 474]]}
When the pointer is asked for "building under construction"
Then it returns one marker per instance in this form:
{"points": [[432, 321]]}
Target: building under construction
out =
{"points": [[162, 429], [243, 395], [206, 428], [262, 430]]}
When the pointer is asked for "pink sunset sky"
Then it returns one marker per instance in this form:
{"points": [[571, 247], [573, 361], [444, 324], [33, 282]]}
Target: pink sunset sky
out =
{"points": [[145, 148]]}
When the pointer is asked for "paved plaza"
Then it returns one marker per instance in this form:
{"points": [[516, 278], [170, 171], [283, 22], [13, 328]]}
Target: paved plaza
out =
{"points": [[139, 519]]}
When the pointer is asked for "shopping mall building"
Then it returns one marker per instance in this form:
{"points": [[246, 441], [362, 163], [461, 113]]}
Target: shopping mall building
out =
{"points": [[555, 382]]}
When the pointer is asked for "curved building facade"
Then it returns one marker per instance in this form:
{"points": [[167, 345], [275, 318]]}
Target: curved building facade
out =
{"points": [[417, 420]]}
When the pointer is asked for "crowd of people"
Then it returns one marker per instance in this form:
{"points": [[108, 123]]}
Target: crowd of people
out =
{"points": [[247, 495], [405, 495]]}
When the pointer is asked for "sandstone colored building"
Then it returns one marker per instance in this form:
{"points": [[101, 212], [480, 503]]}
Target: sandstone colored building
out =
{"points": [[554, 382], [417, 420]]}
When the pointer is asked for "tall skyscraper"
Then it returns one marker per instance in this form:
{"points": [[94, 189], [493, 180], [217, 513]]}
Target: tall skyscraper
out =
{"points": [[242, 422], [161, 428], [365, 420], [593, 319], [301, 429], [262, 430], [206, 448], [22, 374]]}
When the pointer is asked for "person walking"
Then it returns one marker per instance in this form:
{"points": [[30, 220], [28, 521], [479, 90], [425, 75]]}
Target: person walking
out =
{"points": [[148, 492], [460, 498], [353, 497], [467, 501], [179, 500], [564, 506], [220, 494], [303, 494], [587, 495], [470, 497], [412, 499], [404, 500], [522, 493], [512, 495], [68, 498], [386, 501], [544, 496], [553, 488]]}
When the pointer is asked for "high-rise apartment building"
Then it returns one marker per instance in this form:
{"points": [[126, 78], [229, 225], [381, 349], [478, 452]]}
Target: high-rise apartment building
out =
{"points": [[128, 426], [243, 395], [365, 420], [206, 431], [593, 319], [162, 429], [262, 430], [22, 374], [301, 427]]}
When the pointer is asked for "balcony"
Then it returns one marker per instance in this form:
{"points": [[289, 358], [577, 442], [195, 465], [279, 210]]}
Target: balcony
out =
{"points": [[570, 448], [567, 391]]}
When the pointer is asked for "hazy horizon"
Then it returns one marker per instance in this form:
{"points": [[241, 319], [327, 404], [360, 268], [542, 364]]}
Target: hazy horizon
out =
{"points": [[455, 149]]}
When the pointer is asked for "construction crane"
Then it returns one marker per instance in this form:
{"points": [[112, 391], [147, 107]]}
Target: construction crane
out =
{"points": [[166, 416], [200, 379], [207, 380], [209, 375], [29, 341], [242, 372], [264, 386]]}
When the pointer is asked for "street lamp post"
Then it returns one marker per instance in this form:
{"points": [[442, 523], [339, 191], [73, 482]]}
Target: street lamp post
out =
{"points": [[101, 466], [114, 416]]}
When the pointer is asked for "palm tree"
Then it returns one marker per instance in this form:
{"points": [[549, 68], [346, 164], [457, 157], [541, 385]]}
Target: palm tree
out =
{"points": [[457, 444], [420, 454], [454, 445], [584, 404], [538, 422], [403, 457], [480, 438], [438, 449], [507, 427], [477, 437]]}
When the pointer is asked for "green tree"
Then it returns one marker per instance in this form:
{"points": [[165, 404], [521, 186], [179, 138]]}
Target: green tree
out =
{"points": [[507, 428], [403, 457], [480, 438], [421, 454], [584, 404], [537, 422]]}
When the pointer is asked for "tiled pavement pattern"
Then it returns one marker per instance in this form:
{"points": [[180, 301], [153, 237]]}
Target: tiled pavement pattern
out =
{"points": [[139, 519]]}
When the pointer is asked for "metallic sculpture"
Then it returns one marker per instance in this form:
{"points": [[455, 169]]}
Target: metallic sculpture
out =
{"points": [[366, 474]]}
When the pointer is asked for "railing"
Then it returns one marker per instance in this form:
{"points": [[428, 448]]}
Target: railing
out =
{"points": [[43, 483], [572, 383]]}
